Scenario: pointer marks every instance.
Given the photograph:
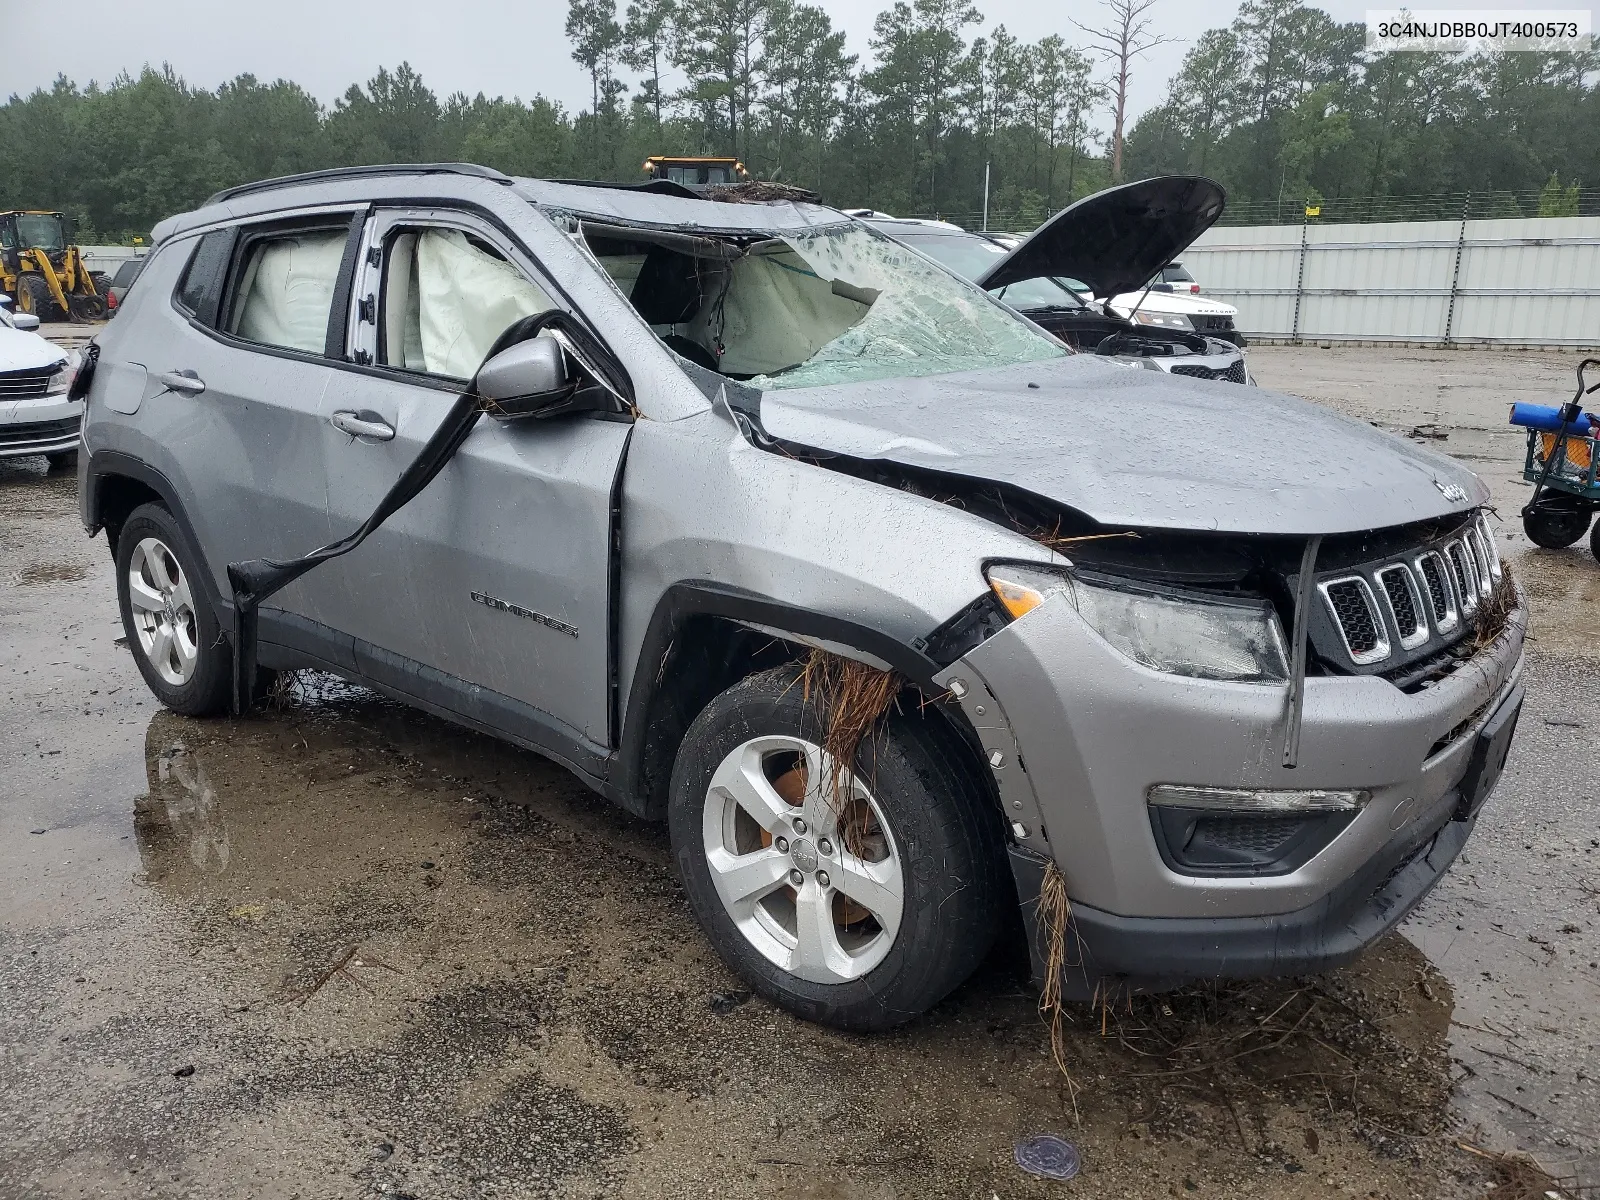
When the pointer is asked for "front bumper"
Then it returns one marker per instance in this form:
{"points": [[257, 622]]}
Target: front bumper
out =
{"points": [[1108, 954], [39, 426], [1076, 734]]}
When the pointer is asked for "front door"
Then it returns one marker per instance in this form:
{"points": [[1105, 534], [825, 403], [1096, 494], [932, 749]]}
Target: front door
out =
{"points": [[489, 592]]}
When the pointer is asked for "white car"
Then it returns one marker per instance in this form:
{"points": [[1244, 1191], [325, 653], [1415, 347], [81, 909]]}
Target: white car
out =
{"points": [[1166, 308], [36, 417]]}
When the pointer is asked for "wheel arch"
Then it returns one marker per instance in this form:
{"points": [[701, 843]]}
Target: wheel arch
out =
{"points": [[705, 636], [114, 485]]}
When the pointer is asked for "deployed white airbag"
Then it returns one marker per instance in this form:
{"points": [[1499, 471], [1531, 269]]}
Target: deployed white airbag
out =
{"points": [[465, 298], [777, 312], [288, 291]]}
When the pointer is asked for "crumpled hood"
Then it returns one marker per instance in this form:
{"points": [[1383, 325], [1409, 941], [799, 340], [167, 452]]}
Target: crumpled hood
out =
{"points": [[23, 350], [1131, 447]]}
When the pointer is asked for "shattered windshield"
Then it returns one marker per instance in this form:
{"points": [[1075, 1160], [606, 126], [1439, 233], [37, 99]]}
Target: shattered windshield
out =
{"points": [[841, 304]]}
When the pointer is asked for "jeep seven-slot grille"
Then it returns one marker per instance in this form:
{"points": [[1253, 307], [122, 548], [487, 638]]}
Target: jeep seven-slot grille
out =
{"points": [[1465, 578], [1404, 615], [1357, 621], [1398, 589], [1437, 598]]}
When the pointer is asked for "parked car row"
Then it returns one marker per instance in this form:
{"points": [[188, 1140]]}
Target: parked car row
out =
{"points": [[1248, 710]]}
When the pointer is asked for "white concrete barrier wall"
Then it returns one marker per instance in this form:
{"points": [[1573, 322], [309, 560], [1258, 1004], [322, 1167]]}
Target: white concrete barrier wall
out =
{"points": [[1527, 281], [109, 258]]}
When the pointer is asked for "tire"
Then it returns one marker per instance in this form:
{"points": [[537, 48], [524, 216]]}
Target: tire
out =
{"points": [[1556, 528], [1594, 540], [931, 831], [35, 297], [194, 674], [88, 308], [62, 460]]}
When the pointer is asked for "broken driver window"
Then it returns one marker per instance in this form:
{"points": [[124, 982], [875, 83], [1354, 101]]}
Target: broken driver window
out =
{"points": [[841, 304]]}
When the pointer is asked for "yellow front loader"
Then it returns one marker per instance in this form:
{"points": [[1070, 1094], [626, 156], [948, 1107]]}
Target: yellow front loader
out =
{"points": [[42, 272]]}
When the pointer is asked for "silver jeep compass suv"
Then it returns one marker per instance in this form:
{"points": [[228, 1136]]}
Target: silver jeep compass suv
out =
{"points": [[597, 469]]}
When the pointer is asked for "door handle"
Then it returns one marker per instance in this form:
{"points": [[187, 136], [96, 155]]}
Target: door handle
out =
{"points": [[184, 381], [363, 425]]}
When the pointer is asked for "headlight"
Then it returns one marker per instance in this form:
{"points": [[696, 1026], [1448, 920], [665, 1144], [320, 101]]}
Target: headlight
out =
{"points": [[59, 382], [1181, 634], [1165, 320]]}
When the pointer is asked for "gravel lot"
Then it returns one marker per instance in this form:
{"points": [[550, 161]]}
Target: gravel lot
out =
{"points": [[531, 1011]]}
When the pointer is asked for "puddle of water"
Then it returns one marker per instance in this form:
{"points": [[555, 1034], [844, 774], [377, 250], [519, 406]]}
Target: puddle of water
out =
{"points": [[38, 574]]}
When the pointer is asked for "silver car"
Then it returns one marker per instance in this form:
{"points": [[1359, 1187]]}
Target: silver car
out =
{"points": [[1240, 670]]}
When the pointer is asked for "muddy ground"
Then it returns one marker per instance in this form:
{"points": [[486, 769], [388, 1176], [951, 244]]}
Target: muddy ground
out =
{"points": [[530, 1010]]}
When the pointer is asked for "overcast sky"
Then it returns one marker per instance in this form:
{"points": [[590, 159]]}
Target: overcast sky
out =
{"points": [[499, 47]]}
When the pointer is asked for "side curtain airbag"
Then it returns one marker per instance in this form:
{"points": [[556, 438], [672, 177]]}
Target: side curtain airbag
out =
{"points": [[465, 298], [289, 292]]}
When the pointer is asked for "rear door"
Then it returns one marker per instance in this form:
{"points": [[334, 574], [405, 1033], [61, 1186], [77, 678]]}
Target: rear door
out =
{"points": [[488, 594], [240, 401]]}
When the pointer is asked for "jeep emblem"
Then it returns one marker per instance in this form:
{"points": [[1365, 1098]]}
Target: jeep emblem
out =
{"points": [[1452, 492]]}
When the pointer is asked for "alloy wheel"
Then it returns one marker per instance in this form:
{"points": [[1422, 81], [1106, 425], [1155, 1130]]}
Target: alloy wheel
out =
{"points": [[811, 878], [163, 611]]}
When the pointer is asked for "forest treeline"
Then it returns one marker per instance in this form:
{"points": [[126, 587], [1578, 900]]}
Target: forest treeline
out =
{"points": [[1283, 105]]}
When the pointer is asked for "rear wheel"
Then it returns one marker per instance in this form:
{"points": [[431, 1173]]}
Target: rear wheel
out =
{"points": [[1555, 526], [1594, 540], [172, 631], [861, 912]]}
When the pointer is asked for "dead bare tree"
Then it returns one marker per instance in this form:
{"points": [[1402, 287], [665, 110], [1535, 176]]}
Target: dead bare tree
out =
{"points": [[1126, 35]]}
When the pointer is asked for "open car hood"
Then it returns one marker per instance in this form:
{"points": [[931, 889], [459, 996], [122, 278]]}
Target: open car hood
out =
{"points": [[1116, 240], [1131, 447]]}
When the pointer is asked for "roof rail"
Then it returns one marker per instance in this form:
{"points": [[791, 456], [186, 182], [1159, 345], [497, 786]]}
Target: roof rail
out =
{"points": [[380, 169], [659, 187]]}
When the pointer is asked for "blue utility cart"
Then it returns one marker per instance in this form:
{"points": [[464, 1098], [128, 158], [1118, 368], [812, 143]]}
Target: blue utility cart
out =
{"points": [[1563, 464]]}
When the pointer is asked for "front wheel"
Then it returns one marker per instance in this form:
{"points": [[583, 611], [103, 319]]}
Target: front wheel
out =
{"points": [[34, 297], [1555, 528], [859, 909]]}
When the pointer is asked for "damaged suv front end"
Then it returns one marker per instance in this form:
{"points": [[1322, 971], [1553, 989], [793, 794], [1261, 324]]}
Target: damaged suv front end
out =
{"points": [[1208, 824], [1237, 770]]}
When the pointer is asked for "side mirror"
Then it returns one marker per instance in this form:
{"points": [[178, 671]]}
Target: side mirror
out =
{"points": [[528, 379], [24, 321]]}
